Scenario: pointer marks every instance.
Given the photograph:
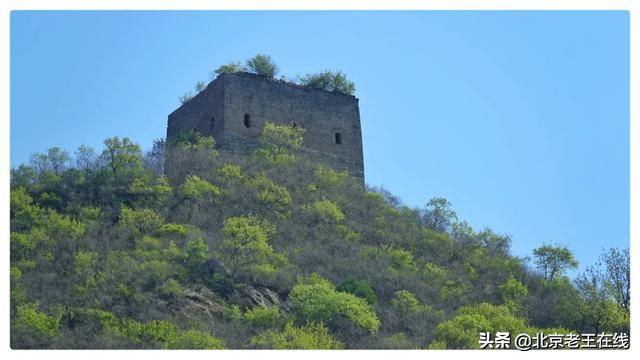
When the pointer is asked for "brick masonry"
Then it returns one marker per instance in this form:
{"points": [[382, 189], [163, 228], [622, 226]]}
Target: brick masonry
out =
{"points": [[234, 107]]}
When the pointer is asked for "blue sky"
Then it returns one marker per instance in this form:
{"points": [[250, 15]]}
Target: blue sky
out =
{"points": [[520, 119]]}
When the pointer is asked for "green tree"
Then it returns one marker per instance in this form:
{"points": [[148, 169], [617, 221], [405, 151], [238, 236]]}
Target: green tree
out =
{"points": [[185, 97], [405, 303], [317, 300], [154, 158], [121, 154], [514, 295], [54, 161], [276, 197], [230, 68], [85, 158], [134, 224], [325, 210], [195, 340], [617, 275], [33, 326], [308, 337], [195, 254], [358, 288], [264, 317], [149, 191], [553, 260], [329, 80], [191, 153], [199, 86], [245, 250], [195, 188], [281, 138], [412, 316], [599, 310], [262, 65], [23, 176], [438, 214], [461, 332]]}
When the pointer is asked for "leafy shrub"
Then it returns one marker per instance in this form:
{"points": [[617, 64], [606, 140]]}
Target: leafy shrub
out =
{"points": [[229, 172], [461, 332], [29, 318], [329, 80], [317, 300], [195, 188], [170, 290], [358, 288], [230, 68], [262, 65], [136, 223], [329, 177], [185, 97], [310, 336], [326, 210], [174, 229], [195, 254], [514, 295], [271, 194], [154, 273], [245, 247], [263, 317], [405, 303], [281, 138], [195, 340]]}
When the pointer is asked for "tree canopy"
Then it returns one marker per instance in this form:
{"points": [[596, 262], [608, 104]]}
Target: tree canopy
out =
{"points": [[269, 250]]}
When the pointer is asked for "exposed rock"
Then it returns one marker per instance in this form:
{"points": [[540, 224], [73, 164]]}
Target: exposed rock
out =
{"points": [[252, 296], [202, 301]]}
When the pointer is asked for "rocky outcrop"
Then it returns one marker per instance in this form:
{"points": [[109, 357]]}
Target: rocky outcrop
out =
{"points": [[202, 301], [252, 296]]}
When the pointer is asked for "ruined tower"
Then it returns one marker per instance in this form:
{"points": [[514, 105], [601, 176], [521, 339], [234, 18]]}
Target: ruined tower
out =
{"points": [[234, 107]]}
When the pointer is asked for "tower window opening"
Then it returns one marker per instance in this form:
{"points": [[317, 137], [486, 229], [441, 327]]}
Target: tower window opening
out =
{"points": [[247, 120], [338, 138], [213, 122]]}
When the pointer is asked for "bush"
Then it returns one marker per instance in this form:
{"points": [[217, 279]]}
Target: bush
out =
{"points": [[461, 332], [170, 290], [358, 288], [281, 138], [271, 194], [230, 68], [317, 300], [514, 294], [262, 65], [195, 188], [136, 223], [326, 210], [307, 337], [195, 340], [31, 319], [263, 317], [245, 248], [329, 80]]}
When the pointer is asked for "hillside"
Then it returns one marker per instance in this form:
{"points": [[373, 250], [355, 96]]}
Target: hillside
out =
{"points": [[269, 250]]}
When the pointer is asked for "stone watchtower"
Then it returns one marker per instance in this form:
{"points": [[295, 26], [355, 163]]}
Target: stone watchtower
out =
{"points": [[234, 107]]}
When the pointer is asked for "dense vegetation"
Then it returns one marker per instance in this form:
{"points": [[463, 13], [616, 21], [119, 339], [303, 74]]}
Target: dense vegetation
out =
{"points": [[269, 250]]}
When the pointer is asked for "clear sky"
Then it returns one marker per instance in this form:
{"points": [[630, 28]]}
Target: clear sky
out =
{"points": [[520, 119]]}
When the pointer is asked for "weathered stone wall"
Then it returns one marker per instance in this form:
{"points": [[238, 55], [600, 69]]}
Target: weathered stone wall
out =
{"points": [[204, 113], [242, 102]]}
